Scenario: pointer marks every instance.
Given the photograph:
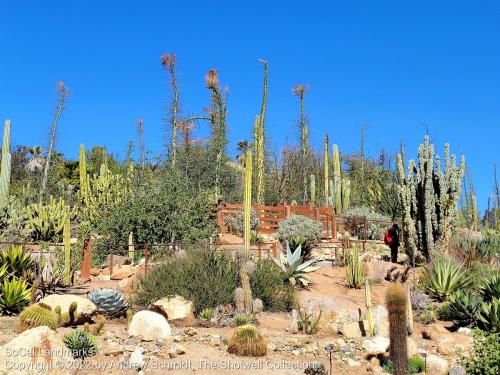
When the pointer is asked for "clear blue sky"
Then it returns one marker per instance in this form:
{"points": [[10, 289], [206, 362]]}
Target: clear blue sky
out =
{"points": [[392, 65]]}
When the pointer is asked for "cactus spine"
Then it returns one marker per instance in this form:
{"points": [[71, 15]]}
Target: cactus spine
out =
{"points": [[245, 279], [260, 142], [312, 188], [369, 311], [429, 197], [5, 166], [326, 169], [67, 252], [397, 300]]}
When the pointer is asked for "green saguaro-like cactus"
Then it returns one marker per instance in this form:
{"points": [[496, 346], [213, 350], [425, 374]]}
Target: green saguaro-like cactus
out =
{"points": [[5, 166], [247, 203], [326, 169], [369, 311], [67, 252], [312, 188]]}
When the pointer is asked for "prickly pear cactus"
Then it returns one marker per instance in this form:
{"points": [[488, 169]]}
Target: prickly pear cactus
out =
{"points": [[109, 302]]}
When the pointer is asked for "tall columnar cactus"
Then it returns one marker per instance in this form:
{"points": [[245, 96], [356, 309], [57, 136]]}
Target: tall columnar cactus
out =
{"points": [[312, 188], [245, 279], [67, 252], [409, 315], [326, 169], [5, 166], [429, 198], [396, 301], [131, 248], [337, 181], [300, 92], [260, 143], [346, 193], [369, 311]]}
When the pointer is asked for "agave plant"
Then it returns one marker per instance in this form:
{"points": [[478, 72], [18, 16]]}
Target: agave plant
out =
{"points": [[82, 344], [462, 307], [295, 267], [16, 261], [15, 294], [489, 318], [109, 302], [491, 287], [445, 277]]}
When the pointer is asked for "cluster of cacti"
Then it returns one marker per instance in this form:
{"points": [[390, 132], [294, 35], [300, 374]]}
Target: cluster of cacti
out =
{"points": [[340, 187], [81, 344], [369, 312], [5, 166], [397, 301], [109, 302], [97, 328], [68, 318], [99, 193], [246, 341], [308, 321], [67, 252], [37, 315], [47, 221], [429, 199], [355, 276], [312, 189], [260, 144]]}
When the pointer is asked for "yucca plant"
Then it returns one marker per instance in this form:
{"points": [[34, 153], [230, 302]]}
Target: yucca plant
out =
{"points": [[355, 276], [489, 317], [463, 308], [445, 277], [81, 344], [295, 267], [15, 294]]}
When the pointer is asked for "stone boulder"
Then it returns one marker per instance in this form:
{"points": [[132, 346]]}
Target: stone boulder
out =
{"points": [[376, 345], [454, 344], [149, 326], [118, 260], [436, 365], [122, 272], [175, 308], [435, 331], [352, 330], [85, 309], [35, 351]]}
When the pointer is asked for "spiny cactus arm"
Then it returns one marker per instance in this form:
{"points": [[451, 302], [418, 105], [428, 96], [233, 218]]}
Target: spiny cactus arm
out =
{"points": [[5, 166]]}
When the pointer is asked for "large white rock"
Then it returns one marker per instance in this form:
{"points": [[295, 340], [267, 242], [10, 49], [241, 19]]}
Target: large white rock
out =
{"points": [[175, 308], [376, 345], [85, 308], [149, 326], [35, 351]]}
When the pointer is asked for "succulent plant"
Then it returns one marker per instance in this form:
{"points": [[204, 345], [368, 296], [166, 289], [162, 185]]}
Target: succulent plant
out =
{"points": [[295, 266], [37, 315], [246, 341], [109, 302], [82, 344]]}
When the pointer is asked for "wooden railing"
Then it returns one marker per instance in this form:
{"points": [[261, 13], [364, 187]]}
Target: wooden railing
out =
{"points": [[271, 216]]}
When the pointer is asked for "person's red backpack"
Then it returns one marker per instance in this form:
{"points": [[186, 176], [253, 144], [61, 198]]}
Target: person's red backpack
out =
{"points": [[388, 238]]}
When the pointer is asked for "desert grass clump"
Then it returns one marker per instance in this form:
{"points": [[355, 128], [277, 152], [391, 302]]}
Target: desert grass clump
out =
{"points": [[396, 301], [246, 341]]}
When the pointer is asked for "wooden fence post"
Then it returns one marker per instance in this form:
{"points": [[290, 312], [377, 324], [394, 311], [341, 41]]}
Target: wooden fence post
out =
{"points": [[275, 249], [287, 211], [146, 258]]}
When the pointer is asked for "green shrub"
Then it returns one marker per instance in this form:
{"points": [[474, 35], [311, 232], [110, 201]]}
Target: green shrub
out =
{"points": [[484, 358], [235, 222], [416, 365], [300, 227], [241, 319], [444, 277], [269, 283], [489, 317], [206, 277], [207, 314], [489, 243], [354, 223]]}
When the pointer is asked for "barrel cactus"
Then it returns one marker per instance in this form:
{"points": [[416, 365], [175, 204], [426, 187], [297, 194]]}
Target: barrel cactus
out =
{"points": [[109, 302]]}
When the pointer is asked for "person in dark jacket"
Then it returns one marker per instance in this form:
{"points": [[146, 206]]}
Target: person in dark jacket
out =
{"points": [[391, 239]]}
